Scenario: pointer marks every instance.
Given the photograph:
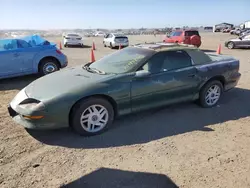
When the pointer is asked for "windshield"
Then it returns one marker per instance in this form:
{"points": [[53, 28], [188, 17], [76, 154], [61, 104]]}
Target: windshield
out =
{"points": [[122, 61]]}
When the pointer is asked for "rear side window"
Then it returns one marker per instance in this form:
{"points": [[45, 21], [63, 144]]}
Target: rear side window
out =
{"points": [[23, 44], [176, 33], [191, 33], [199, 57]]}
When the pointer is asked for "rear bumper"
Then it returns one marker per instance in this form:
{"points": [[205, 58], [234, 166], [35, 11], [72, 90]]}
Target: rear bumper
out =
{"points": [[64, 61], [73, 43], [76, 42], [117, 44], [231, 84]]}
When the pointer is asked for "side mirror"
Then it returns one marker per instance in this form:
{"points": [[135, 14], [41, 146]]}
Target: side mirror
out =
{"points": [[142, 74]]}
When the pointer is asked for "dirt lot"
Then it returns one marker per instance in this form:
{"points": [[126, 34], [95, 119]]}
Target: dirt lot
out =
{"points": [[178, 146]]}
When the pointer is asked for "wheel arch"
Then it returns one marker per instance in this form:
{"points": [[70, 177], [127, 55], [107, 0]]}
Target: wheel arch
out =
{"points": [[103, 96], [218, 78]]}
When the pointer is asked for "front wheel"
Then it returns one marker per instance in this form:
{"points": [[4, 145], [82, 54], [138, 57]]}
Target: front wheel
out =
{"points": [[230, 45], [210, 94], [92, 116]]}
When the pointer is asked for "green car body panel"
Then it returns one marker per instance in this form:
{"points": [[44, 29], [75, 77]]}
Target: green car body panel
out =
{"points": [[128, 93]]}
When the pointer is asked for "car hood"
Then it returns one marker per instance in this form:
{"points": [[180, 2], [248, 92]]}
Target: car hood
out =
{"points": [[64, 82]]}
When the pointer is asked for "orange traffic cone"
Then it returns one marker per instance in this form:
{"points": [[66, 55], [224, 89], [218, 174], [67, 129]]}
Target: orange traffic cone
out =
{"points": [[92, 56], [219, 49], [93, 46], [120, 47], [60, 45]]}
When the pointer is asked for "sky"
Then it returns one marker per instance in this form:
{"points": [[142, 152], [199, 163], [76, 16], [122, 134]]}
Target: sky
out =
{"points": [[120, 14]]}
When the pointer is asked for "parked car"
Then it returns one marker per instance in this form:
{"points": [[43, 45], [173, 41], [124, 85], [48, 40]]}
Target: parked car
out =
{"points": [[72, 39], [88, 98], [244, 33], [29, 55], [217, 29], [115, 40], [99, 34], [184, 36], [241, 42], [235, 31], [226, 30]]}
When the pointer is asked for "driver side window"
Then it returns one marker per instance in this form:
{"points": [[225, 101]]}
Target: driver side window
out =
{"points": [[167, 61]]}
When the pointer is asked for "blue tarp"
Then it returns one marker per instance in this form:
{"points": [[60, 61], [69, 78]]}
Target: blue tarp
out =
{"points": [[36, 40], [33, 40]]}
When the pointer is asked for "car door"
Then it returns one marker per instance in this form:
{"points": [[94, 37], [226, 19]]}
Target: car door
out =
{"points": [[11, 61], [27, 54], [173, 78]]}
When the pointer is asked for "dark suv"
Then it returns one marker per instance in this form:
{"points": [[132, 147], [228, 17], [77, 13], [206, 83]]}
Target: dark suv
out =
{"points": [[185, 37]]}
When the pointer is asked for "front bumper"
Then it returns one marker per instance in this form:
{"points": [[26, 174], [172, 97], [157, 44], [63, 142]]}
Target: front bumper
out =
{"points": [[19, 115]]}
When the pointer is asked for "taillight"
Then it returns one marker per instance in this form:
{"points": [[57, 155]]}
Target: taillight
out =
{"points": [[58, 51]]}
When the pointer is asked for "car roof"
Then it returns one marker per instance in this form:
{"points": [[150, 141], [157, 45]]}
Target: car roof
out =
{"points": [[67, 34], [160, 46], [183, 30], [118, 34]]}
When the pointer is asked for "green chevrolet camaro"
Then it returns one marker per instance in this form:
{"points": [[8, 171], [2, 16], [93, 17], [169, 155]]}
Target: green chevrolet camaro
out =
{"points": [[89, 97]]}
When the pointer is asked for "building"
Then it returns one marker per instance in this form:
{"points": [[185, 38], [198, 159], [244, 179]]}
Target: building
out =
{"points": [[219, 27]]}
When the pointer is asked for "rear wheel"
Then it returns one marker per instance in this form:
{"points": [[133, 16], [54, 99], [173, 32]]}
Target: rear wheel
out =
{"points": [[48, 66], [111, 46], [92, 116], [211, 93], [230, 45]]}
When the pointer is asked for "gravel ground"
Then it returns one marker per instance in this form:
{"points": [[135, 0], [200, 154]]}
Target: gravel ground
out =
{"points": [[177, 146]]}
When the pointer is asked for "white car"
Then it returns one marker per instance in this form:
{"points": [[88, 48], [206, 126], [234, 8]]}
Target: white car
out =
{"points": [[99, 34], [72, 39], [115, 40]]}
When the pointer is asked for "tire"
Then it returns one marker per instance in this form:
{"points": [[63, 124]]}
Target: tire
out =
{"points": [[82, 108], [47, 66], [111, 46], [104, 44], [205, 90], [230, 45]]}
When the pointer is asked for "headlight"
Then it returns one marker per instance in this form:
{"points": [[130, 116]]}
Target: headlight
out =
{"points": [[32, 104]]}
